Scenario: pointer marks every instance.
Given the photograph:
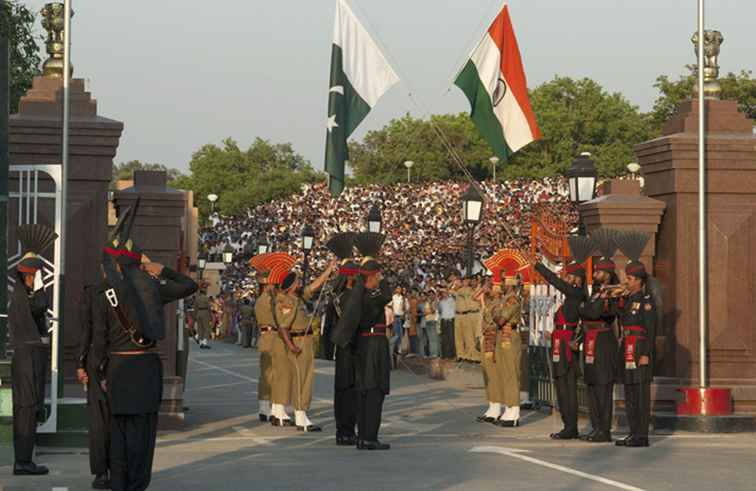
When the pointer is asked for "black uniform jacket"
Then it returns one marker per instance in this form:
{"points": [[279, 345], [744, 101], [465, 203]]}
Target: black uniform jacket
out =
{"points": [[573, 296], [598, 314], [89, 296], [135, 382], [364, 310], [637, 316], [26, 323], [344, 378]]}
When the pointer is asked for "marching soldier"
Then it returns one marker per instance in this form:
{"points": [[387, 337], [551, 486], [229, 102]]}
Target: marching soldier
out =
{"points": [[508, 353], [466, 320], [98, 408], [293, 323], [27, 325], [564, 338], [600, 344], [638, 319], [128, 319], [345, 397], [364, 318], [490, 301], [202, 316]]}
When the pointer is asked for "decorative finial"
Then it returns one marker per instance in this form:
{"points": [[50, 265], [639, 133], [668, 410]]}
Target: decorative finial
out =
{"points": [[54, 24], [712, 41]]}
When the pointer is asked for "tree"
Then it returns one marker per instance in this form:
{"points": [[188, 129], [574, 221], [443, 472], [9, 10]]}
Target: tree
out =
{"points": [[125, 171], [739, 87], [574, 116], [17, 25], [243, 179]]}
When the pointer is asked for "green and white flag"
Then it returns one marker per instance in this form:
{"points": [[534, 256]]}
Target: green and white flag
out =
{"points": [[360, 75]]}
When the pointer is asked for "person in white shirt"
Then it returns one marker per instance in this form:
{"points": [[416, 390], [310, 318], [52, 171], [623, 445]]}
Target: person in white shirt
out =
{"points": [[398, 305], [446, 312]]}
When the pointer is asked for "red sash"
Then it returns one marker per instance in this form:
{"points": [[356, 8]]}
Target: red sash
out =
{"points": [[559, 336], [630, 345], [590, 344]]}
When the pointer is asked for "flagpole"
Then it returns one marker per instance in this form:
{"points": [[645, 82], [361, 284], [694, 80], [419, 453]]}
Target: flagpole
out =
{"points": [[702, 271]]}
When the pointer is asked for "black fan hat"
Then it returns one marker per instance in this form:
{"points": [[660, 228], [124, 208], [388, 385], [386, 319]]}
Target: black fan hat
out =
{"points": [[581, 248], [35, 239], [632, 243], [369, 244], [604, 240]]}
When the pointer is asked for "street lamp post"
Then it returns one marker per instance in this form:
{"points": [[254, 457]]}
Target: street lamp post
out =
{"points": [[308, 241], [262, 246], [408, 164], [582, 178], [494, 160], [201, 263], [472, 208], [374, 219], [212, 198], [228, 254]]}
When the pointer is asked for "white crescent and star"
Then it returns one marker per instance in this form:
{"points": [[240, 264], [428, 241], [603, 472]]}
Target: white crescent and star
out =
{"points": [[331, 123]]}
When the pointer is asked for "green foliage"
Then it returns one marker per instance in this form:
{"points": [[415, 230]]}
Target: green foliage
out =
{"points": [[17, 25], [243, 179], [574, 116], [739, 87], [125, 171]]}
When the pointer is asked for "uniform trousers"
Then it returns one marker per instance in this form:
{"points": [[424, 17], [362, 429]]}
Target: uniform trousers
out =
{"points": [[98, 411], [28, 370], [638, 408], [466, 326], [132, 450], [369, 414], [265, 346], [508, 365], [566, 388], [600, 399], [281, 377], [345, 396], [301, 367]]}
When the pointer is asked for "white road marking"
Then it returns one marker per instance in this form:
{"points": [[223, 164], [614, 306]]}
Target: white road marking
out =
{"points": [[59, 489], [208, 387], [517, 454], [229, 372]]}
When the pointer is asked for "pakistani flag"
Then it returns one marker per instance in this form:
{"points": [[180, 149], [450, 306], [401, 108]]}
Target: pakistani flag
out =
{"points": [[360, 75], [494, 82]]}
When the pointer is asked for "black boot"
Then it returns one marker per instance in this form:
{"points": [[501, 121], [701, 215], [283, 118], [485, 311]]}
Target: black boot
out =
{"points": [[346, 440], [29, 469], [565, 434], [623, 441], [372, 445], [599, 437], [637, 441], [101, 481]]}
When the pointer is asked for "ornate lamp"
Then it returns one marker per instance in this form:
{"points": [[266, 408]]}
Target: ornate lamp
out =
{"points": [[582, 178]]}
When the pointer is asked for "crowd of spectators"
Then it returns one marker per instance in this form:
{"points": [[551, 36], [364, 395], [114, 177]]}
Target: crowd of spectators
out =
{"points": [[425, 235]]}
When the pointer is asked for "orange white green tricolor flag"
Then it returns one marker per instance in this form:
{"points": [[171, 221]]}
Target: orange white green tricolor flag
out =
{"points": [[494, 82]]}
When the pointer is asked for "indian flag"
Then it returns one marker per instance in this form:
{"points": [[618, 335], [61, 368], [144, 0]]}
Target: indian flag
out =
{"points": [[360, 75], [494, 82]]}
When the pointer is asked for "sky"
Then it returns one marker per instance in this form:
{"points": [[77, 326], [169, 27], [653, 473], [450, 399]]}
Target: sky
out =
{"points": [[184, 73]]}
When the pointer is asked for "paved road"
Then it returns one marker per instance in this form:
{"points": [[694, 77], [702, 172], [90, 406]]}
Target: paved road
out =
{"points": [[436, 445]]}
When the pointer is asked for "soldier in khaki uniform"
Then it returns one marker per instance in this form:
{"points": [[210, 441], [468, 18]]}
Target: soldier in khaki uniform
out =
{"points": [[264, 317], [295, 330], [507, 315], [490, 301], [202, 316], [466, 321]]}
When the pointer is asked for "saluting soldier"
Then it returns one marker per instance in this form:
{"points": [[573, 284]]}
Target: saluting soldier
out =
{"points": [[128, 320], [27, 323], [98, 408], [295, 330], [490, 300], [266, 336], [508, 352], [364, 318], [564, 337], [466, 320], [600, 343], [638, 319], [345, 396]]}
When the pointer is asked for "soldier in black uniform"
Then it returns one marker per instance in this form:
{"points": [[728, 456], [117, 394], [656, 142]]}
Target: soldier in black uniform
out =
{"points": [[600, 342], [128, 320], [638, 319], [564, 338], [345, 397], [364, 318], [27, 325], [98, 408]]}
